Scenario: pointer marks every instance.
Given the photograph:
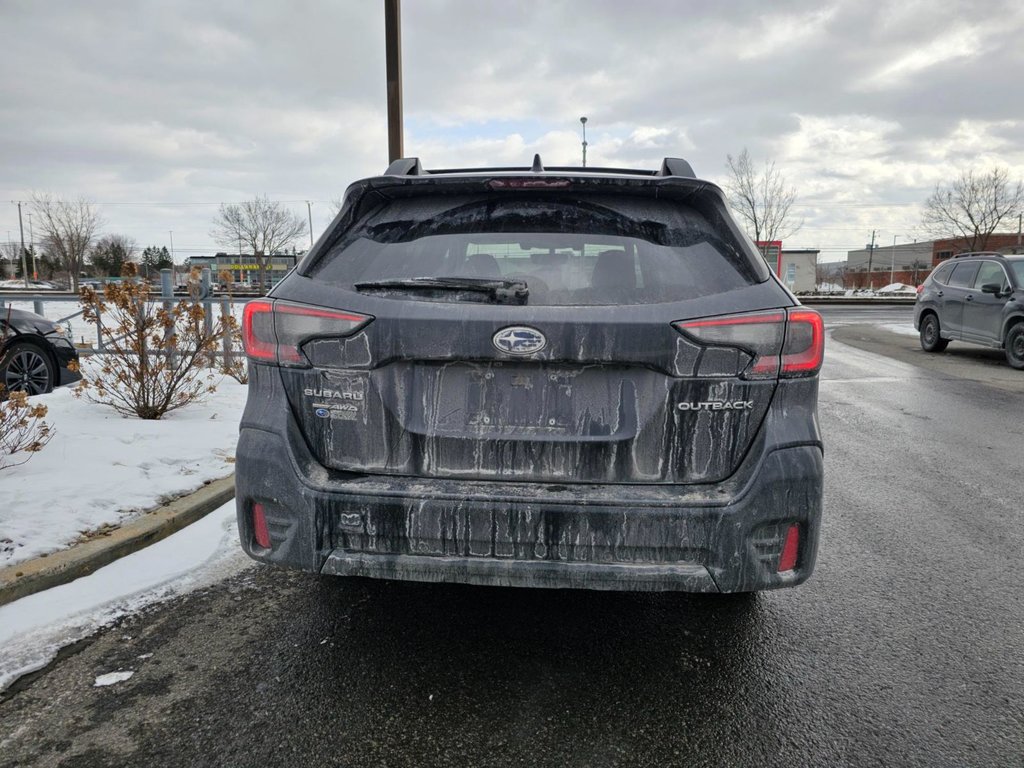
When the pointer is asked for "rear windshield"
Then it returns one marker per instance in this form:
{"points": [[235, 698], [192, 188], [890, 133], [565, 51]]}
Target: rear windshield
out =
{"points": [[597, 250]]}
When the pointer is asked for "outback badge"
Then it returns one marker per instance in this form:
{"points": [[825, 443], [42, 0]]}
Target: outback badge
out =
{"points": [[519, 340]]}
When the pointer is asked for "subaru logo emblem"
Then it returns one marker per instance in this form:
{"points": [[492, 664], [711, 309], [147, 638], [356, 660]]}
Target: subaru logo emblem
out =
{"points": [[519, 340]]}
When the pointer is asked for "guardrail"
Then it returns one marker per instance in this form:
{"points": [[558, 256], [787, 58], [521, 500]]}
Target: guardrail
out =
{"points": [[165, 297], [864, 301]]}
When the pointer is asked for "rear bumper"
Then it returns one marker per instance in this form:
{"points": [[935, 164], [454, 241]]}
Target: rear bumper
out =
{"points": [[720, 538]]}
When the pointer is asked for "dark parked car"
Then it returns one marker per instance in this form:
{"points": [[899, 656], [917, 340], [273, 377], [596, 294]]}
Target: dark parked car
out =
{"points": [[976, 297], [34, 353], [517, 376]]}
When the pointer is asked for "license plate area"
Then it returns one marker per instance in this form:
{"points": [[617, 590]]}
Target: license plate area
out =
{"points": [[504, 399]]}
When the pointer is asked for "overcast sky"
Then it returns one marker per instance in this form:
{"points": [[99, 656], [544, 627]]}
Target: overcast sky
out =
{"points": [[158, 111]]}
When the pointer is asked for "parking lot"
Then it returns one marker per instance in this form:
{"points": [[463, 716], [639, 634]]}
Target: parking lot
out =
{"points": [[903, 648]]}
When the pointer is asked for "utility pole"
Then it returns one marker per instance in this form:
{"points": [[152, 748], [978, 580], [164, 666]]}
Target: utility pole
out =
{"points": [[583, 121], [309, 210], [393, 67], [24, 262], [32, 245], [892, 261], [871, 256], [171, 233], [1019, 217]]}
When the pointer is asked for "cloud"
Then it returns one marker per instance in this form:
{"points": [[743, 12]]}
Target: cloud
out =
{"points": [[176, 107]]}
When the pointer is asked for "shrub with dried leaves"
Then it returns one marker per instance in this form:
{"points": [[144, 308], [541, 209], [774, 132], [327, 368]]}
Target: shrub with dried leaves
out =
{"points": [[232, 360], [157, 353], [22, 429]]}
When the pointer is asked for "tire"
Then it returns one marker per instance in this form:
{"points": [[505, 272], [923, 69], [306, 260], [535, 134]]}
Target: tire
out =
{"points": [[1014, 346], [931, 339], [27, 368]]}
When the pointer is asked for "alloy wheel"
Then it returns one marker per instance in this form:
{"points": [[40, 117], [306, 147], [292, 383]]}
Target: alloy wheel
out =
{"points": [[27, 371]]}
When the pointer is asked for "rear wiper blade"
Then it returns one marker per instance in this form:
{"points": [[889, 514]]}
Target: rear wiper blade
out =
{"points": [[500, 291]]}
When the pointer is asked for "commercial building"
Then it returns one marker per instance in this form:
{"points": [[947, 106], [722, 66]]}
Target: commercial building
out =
{"points": [[1000, 242], [796, 267], [243, 269], [908, 263]]}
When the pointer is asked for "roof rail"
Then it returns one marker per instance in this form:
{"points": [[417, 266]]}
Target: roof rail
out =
{"points": [[979, 253], [670, 166], [405, 166], [676, 166]]}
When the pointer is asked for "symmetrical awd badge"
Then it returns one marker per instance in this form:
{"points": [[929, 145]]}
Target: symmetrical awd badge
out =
{"points": [[519, 340]]}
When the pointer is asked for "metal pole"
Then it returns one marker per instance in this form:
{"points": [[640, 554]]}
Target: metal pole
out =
{"points": [[171, 233], [892, 261], [309, 210], [871, 257], [24, 262], [32, 245], [583, 121], [393, 67]]}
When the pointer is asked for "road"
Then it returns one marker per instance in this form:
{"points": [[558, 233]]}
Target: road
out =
{"points": [[905, 648]]}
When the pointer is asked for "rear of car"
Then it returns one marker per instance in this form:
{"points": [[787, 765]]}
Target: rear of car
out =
{"points": [[561, 378]]}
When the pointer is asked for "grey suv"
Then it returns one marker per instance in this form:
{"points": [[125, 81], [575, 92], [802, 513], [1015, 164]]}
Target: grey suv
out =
{"points": [[976, 297], [556, 377]]}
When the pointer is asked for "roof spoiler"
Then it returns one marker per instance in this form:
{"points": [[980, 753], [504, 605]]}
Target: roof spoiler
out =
{"points": [[670, 166], [676, 166]]}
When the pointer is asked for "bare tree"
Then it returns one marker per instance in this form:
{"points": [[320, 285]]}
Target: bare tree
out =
{"points": [[972, 206], [9, 256], [68, 228], [265, 226], [761, 199]]}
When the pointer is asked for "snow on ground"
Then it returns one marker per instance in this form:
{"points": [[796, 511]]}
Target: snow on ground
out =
{"points": [[112, 678], [101, 468], [35, 628]]}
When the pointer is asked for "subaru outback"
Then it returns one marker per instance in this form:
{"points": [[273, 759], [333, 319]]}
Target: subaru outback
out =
{"points": [[978, 298], [562, 377]]}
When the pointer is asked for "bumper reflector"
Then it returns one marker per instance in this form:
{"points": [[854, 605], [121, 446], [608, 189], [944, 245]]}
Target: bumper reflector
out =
{"points": [[259, 526], [787, 561]]}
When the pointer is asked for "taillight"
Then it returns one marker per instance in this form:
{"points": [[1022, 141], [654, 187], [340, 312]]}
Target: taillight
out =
{"points": [[793, 348], [804, 350], [759, 334], [274, 331], [920, 289], [260, 531], [790, 549]]}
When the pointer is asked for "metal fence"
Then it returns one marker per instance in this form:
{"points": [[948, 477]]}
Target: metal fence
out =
{"points": [[166, 297]]}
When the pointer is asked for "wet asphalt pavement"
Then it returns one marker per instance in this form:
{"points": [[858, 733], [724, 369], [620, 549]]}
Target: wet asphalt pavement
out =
{"points": [[905, 648]]}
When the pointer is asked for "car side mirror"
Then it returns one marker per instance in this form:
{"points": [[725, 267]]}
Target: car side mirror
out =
{"points": [[993, 288]]}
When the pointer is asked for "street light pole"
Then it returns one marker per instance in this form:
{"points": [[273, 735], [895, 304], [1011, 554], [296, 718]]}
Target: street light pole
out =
{"points": [[32, 245], [393, 72], [583, 121], [24, 263], [309, 210]]}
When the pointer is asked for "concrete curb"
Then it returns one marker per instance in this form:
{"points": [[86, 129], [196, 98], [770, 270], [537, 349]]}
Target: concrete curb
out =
{"points": [[22, 579]]}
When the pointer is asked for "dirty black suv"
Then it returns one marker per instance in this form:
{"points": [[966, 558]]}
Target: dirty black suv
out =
{"points": [[976, 297], [558, 377]]}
